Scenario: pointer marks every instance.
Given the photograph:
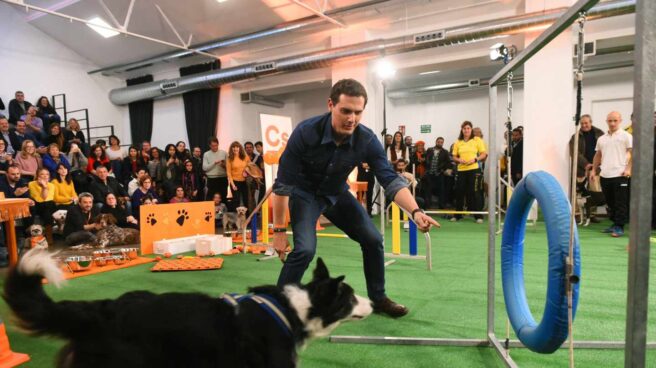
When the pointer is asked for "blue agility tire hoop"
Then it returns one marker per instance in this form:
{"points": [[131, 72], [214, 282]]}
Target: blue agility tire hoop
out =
{"points": [[552, 331]]}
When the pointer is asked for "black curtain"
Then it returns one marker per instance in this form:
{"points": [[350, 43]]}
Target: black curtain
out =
{"points": [[141, 114], [201, 107]]}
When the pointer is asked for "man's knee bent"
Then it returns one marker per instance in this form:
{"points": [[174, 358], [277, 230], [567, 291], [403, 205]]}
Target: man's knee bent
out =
{"points": [[304, 255]]}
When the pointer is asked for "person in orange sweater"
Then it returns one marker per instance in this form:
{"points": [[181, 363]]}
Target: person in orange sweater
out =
{"points": [[65, 194], [235, 166]]}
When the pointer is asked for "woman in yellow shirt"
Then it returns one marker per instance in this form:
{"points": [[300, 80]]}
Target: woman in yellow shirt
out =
{"points": [[43, 194], [65, 194], [468, 151], [235, 166]]}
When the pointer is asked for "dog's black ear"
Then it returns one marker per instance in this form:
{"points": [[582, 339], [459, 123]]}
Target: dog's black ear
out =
{"points": [[339, 279], [321, 271]]}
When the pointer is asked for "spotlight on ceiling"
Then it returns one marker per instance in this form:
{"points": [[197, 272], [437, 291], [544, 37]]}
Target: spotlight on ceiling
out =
{"points": [[385, 70], [499, 51]]}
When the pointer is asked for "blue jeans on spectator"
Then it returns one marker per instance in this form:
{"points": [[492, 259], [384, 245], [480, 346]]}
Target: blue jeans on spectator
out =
{"points": [[349, 216]]}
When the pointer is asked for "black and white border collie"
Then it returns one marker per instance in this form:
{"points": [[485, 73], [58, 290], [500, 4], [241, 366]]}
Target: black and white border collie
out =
{"points": [[142, 329]]}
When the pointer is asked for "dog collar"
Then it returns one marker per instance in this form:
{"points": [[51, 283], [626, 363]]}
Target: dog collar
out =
{"points": [[266, 302]]}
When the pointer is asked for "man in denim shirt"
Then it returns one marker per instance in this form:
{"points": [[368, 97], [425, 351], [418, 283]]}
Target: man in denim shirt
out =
{"points": [[320, 154]]}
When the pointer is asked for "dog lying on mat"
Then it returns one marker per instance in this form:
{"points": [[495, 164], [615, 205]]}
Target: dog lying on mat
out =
{"points": [[142, 329], [110, 234]]}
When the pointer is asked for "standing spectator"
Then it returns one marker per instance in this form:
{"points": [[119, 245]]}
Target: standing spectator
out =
{"points": [[46, 112], [115, 153], [74, 134], [34, 123], [389, 139], [42, 191], [96, 159], [10, 138], [214, 166], [22, 134], [181, 151], [120, 213], [419, 159], [103, 184], [65, 194], [130, 165], [156, 166], [180, 196], [197, 159], [191, 182], [57, 137], [79, 227], [235, 165], [259, 159], [467, 152], [172, 170], [250, 150], [52, 158], [145, 151], [367, 175], [397, 150], [517, 157], [613, 155], [28, 161], [433, 182], [18, 107], [408, 141], [145, 189], [78, 168], [5, 158]]}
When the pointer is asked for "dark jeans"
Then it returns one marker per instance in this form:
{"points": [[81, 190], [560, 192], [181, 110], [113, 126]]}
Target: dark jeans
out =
{"points": [[433, 184], [467, 186], [616, 191], [217, 185], [349, 216], [239, 196]]}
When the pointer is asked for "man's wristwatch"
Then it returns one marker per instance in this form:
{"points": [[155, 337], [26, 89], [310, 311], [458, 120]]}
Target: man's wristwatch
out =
{"points": [[279, 229], [415, 211]]}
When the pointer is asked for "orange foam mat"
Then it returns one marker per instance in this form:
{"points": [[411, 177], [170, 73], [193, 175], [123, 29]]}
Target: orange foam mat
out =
{"points": [[110, 267], [188, 264]]}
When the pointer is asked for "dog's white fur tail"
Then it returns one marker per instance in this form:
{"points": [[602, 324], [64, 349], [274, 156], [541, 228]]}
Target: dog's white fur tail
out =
{"points": [[39, 262]]}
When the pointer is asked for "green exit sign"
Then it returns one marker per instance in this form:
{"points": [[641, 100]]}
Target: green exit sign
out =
{"points": [[425, 128]]}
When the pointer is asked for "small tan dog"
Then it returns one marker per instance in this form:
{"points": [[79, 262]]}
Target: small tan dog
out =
{"points": [[235, 220], [36, 239]]}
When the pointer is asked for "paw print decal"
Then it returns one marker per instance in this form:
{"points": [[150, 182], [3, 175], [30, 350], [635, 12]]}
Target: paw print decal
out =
{"points": [[150, 219], [183, 215], [208, 216]]}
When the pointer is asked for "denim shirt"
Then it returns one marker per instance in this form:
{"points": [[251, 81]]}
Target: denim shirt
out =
{"points": [[313, 165]]}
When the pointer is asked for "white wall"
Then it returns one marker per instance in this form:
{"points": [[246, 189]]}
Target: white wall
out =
{"points": [[37, 64]]}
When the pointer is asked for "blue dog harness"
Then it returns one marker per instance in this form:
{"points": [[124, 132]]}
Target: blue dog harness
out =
{"points": [[266, 302]]}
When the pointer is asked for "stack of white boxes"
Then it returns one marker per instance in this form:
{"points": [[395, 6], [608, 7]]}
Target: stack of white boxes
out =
{"points": [[213, 244], [217, 244]]}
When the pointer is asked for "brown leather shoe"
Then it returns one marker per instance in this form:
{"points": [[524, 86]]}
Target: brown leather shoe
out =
{"points": [[391, 308]]}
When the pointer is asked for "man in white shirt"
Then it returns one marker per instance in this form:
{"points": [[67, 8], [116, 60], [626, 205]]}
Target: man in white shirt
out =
{"points": [[214, 166], [613, 155]]}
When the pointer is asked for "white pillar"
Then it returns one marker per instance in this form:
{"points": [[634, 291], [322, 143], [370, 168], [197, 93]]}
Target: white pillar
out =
{"points": [[549, 102]]}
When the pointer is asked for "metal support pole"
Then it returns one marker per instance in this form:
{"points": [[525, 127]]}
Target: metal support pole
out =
{"points": [[492, 172], [641, 184]]}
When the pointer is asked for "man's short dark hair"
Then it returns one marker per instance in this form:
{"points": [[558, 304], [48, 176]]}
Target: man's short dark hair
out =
{"points": [[213, 140], [248, 142], [258, 143], [101, 142], [518, 130], [349, 87], [442, 138], [590, 117]]}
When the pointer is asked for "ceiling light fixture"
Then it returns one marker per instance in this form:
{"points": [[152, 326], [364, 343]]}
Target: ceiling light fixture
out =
{"points": [[102, 27], [385, 69], [430, 72]]}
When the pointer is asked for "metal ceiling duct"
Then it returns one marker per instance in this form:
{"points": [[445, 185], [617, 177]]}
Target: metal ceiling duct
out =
{"points": [[282, 28], [443, 37], [435, 89]]}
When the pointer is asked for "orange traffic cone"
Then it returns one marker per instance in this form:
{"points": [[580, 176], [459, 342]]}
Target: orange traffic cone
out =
{"points": [[7, 357], [319, 227]]}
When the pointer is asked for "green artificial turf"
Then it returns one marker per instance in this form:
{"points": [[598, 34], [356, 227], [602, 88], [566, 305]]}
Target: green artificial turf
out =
{"points": [[448, 302]]}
